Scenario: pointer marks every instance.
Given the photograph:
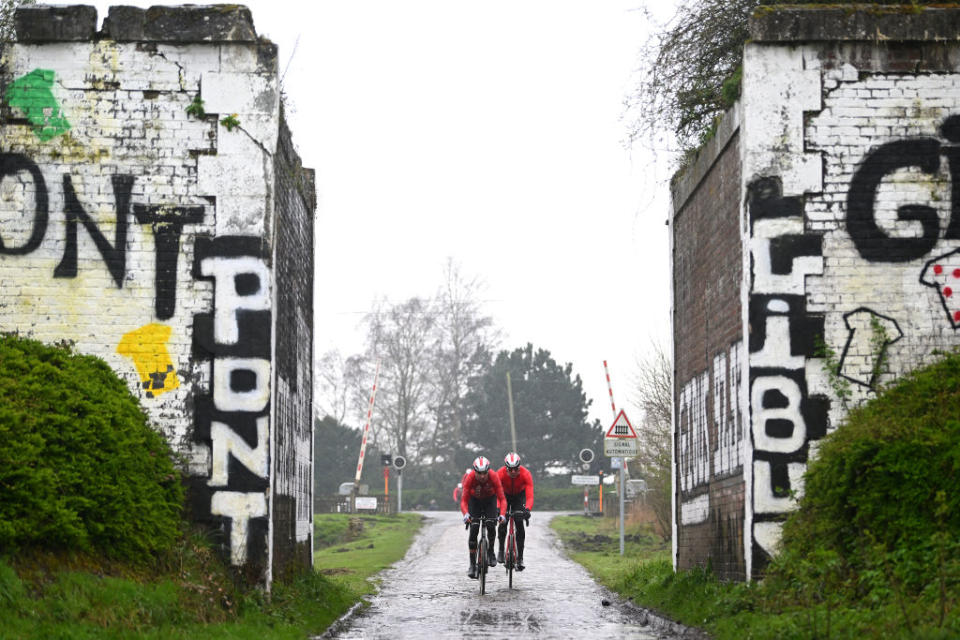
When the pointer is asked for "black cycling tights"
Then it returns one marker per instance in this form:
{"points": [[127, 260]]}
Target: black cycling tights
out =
{"points": [[487, 506], [475, 532]]}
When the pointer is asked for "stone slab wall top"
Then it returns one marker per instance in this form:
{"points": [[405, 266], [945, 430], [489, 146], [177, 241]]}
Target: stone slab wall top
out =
{"points": [[873, 23], [38, 23], [209, 23], [176, 24]]}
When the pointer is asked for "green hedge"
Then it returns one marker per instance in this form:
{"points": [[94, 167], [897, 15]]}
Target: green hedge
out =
{"points": [[80, 468], [880, 514]]}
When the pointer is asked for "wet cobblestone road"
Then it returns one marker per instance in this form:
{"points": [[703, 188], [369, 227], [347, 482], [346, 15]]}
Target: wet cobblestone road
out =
{"points": [[428, 595]]}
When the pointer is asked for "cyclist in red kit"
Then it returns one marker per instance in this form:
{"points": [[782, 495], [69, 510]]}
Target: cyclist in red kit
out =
{"points": [[518, 490], [482, 493], [458, 490]]}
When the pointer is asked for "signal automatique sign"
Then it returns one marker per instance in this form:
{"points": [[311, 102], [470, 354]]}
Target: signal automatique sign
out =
{"points": [[621, 438]]}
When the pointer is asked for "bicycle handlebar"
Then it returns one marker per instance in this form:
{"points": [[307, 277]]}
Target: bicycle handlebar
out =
{"points": [[518, 513], [478, 520]]}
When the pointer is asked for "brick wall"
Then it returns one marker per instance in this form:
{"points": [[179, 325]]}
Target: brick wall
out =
{"points": [[708, 350], [179, 251], [850, 235]]}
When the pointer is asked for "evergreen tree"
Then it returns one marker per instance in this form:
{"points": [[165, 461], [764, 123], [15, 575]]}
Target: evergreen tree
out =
{"points": [[336, 450], [550, 409]]}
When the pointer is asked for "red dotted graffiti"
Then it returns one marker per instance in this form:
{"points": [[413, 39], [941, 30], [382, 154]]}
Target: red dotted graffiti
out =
{"points": [[941, 273]]}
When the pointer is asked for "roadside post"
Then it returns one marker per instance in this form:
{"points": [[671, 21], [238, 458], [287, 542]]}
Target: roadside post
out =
{"points": [[399, 462], [600, 506], [386, 461], [586, 457], [587, 482]]}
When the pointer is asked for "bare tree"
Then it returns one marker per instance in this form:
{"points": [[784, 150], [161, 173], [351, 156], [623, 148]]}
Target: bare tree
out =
{"points": [[400, 336], [330, 395], [464, 341], [684, 67], [340, 386], [652, 392], [690, 70]]}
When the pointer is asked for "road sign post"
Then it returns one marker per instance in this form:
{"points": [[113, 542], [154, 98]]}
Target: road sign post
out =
{"points": [[620, 441], [600, 482], [399, 462]]}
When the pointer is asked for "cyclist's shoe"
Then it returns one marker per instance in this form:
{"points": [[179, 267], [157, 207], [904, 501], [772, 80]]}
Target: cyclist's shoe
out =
{"points": [[500, 555], [520, 566], [472, 572], [491, 560]]}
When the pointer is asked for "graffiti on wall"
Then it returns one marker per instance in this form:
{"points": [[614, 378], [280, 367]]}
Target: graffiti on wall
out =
{"points": [[943, 274], [884, 210], [869, 335], [147, 347], [32, 95], [923, 153], [167, 223], [710, 432], [785, 416], [233, 420]]}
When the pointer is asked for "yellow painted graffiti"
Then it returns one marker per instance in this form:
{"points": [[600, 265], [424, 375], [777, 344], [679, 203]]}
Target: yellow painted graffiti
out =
{"points": [[147, 347]]}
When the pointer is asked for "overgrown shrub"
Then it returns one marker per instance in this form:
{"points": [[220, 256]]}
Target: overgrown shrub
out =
{"points": [[880, 516], [80, 468]]}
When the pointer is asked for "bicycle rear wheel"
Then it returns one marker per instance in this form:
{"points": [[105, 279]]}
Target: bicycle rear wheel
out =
{"points": [[482, 564]]}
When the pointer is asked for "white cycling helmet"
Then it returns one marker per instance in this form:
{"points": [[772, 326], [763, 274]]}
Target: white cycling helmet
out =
{"points": [[481, 464], [512, 460]]}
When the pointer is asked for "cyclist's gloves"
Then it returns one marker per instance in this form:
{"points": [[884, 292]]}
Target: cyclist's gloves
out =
{"points": [[501, 519], [466, 518], [526, 515]]}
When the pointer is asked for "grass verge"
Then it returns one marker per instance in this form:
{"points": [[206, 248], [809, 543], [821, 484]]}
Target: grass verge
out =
{"points": [[188, 593], [351, 549], [735, 611]]}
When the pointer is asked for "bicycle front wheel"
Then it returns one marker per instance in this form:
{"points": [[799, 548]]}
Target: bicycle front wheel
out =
{"points": [[482, 565], [511, 559]]}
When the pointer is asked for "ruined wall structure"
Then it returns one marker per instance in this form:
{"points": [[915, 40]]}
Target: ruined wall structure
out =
{"points": [[834, 186], [154, 213]]}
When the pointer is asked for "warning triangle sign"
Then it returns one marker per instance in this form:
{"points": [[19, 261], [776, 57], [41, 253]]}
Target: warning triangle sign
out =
{"points": [[621, 427]]}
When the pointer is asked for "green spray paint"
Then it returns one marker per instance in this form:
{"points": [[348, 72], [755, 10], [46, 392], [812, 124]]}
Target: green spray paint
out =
{"points": [[31, 94]]}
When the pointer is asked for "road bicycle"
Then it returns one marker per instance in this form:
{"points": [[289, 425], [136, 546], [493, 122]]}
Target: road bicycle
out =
{"points": [[484, 546], [512, 555]]}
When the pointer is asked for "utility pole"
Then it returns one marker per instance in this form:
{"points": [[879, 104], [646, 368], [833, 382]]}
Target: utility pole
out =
{"points": [[513, 425]]}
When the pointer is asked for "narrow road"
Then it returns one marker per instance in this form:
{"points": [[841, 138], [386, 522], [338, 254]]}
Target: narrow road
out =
{"points": [[428, 595]]}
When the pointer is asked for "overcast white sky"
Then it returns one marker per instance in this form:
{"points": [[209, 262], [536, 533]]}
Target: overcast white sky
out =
{"points": [[490, 132]]}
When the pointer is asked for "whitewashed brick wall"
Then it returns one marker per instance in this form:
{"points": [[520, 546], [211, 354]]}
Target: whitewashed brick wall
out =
{"points": [[848, 207], [146, 236]]}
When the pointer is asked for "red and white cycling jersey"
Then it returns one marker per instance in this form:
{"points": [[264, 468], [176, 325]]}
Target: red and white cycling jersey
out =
{"points": [[513, 486], [489, 487]]}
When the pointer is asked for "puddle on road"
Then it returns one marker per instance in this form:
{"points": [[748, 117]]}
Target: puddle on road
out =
{"points": [[511, 621]]}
